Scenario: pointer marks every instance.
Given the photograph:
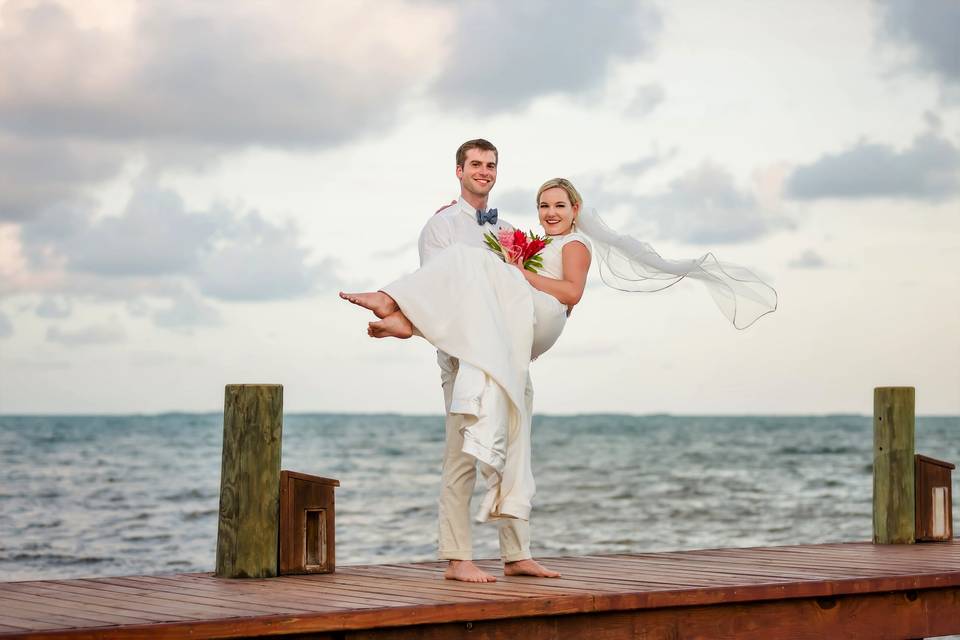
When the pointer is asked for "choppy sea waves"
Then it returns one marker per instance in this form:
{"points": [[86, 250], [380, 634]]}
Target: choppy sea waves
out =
{"points": [[88, 496]]}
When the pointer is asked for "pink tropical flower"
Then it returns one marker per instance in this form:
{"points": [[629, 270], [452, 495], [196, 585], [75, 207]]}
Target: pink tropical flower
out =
{"points": [[518, 247]]}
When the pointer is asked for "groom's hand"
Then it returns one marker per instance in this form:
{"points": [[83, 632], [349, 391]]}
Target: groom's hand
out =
{"points": [[452, 202]]}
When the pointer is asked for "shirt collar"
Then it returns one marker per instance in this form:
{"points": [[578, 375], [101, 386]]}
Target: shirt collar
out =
{"points": [[468, 209]]}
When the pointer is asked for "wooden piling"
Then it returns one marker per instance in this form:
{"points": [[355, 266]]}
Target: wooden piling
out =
{"points": [[247, 534], [893, 465]]}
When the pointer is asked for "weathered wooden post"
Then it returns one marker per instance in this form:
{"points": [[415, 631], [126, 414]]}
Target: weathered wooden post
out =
{"points": [[893, 465], [247, 533]]}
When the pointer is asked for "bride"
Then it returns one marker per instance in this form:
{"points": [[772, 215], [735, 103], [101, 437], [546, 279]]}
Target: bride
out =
{"points": [[496, 317]]}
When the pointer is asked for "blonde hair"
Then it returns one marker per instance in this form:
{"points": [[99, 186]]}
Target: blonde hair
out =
{"points": [[562, 183]]}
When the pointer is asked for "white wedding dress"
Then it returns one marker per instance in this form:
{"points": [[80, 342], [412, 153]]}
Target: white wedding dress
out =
{"points": [[471, 305]]}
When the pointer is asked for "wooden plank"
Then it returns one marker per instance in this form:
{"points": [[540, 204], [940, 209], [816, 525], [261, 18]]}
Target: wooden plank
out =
{"points": [[231, 591], [332, 594], [408, 594], [71, 604], [875, 616], [772, 565], [25, 623], [502, 586], [162, 602], [41, 614]]}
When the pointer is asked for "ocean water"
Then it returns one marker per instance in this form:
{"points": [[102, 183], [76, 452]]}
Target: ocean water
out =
{"points": [[91, 496]]}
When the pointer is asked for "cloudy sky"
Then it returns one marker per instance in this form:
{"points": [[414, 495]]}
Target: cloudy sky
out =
{"points": [[184, 186]]}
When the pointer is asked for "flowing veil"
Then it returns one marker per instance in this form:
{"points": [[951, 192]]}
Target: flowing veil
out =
{"points": [[628, 264]]}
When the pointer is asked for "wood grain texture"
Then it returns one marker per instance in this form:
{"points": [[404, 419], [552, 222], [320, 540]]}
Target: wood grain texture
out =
{"points": [[300, 494], [247, 533], [877, 617], [855, 590], [893, 465], [933, 475]]}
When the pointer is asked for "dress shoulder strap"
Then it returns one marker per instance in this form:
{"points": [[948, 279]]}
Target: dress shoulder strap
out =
{"points": [[570, 237]]}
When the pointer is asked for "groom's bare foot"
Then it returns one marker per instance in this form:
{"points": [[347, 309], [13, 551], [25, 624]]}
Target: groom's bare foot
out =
{"points": [[395, 325], [380, 303], [528, 568], [467, 571]]}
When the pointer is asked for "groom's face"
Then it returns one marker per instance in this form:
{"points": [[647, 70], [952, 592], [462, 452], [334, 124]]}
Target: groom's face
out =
{"points": [[479, 172]]}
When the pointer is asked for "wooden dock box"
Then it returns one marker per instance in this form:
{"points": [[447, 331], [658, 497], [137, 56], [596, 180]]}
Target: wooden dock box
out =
{"points": [[934, 499], [306, 523]]}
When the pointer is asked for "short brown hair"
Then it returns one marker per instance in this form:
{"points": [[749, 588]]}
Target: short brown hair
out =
{"points": [[479, 143]]}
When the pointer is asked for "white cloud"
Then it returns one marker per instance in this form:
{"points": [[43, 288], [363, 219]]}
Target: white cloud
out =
{"points": [[54, 307], [6, 327], [647, 98], [185, 312]]}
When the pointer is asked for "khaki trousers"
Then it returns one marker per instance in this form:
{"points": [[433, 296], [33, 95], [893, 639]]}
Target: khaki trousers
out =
{"points": [[457, 483]]}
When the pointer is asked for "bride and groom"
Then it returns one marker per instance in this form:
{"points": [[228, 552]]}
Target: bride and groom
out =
{"points": [[489, 319]]}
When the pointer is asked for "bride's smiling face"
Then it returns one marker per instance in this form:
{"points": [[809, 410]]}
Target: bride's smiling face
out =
{"points": [[556, 212]]}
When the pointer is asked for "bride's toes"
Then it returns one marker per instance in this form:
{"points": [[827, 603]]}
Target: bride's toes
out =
{"points": [[380, 303]]}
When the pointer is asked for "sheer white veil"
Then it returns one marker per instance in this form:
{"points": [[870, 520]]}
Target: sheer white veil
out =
{"points": [[628, 264]]}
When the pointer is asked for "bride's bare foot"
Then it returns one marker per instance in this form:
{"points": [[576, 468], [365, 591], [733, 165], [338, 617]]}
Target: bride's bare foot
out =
{"points": [[528, 568], [467, 571], [395, 325], [380, 303]]}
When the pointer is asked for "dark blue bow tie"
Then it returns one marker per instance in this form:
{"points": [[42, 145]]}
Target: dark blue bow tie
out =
{"points": [[483, 218]]}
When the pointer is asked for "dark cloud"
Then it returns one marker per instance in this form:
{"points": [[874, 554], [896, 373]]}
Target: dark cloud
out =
{"points": [[928, 170], [35, 173], [90, 335], [155, 235], [227, 256], [221, 73], [931, 29], [159, 250], [261, 261], [809, 259], [507, 53], [705, 206]]}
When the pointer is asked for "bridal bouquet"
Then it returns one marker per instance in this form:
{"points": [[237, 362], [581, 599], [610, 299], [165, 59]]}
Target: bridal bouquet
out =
{"points": [[518, 248]]}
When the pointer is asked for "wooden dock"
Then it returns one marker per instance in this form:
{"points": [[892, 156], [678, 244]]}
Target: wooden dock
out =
{"points": [[848, 590]]}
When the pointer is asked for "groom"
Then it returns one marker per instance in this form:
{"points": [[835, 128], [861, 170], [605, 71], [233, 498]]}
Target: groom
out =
{"points": [[465, 222]]}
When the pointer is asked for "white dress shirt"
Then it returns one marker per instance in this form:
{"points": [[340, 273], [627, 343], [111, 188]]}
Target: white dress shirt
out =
{"points": [[457, 224]]}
